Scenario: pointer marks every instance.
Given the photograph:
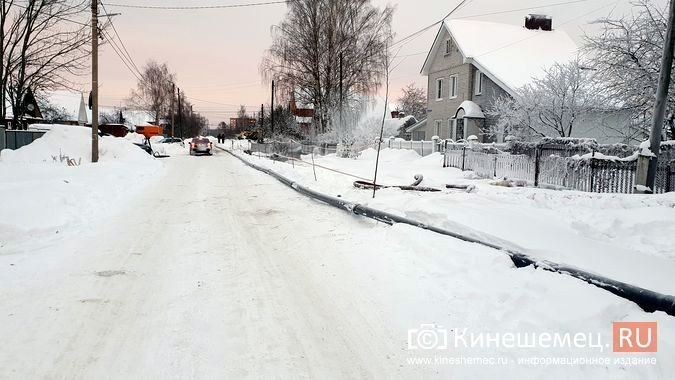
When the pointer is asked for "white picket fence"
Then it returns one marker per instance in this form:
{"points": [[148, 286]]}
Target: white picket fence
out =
{"points": [[423, 148]]}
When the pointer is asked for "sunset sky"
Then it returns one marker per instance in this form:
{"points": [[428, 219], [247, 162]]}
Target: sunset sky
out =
{"points": [[216, 53]]}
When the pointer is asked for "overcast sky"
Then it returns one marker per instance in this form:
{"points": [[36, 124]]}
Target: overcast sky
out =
{"points": [[216, 53]]}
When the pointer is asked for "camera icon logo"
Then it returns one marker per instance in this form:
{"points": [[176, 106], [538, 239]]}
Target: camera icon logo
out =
{"points": [[428, 337]]}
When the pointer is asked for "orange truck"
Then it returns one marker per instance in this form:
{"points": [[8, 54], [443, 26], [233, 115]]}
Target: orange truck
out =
{"points": [[150, 131]]}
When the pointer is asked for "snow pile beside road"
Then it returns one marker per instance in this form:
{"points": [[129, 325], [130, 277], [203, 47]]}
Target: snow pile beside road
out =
{"points": [[609, 234], [75, 143], [47, 199]]}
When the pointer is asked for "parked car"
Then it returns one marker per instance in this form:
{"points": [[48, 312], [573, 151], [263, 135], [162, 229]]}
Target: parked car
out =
{"points": [[201, 145], [171, 140]]}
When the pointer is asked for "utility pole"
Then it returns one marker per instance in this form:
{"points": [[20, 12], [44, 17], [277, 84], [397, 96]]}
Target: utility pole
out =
{"points": [[272, 110], [262, 118], [180, 116], [94, 81], [661, 99], [173, 117]]}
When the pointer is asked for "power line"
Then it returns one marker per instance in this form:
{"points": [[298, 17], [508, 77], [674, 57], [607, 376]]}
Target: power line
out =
{"points": [[212, 102], [113, 46], [195, 7], [537, 35], [131, 60], [417, 33], [521, 9], [430, 26]]}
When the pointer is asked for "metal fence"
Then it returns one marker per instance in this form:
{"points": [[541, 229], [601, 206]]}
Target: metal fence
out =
{"points": [[296, 149], [15, 139], [583, 174]]}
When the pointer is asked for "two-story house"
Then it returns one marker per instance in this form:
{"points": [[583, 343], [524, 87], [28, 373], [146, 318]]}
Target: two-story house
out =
{"points": [[472, 63]]}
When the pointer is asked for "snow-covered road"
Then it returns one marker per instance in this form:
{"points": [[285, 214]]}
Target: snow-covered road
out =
{"points": [[218, 271]]}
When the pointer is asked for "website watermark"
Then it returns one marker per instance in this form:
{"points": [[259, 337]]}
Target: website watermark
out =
{"points": [[436, 345]]}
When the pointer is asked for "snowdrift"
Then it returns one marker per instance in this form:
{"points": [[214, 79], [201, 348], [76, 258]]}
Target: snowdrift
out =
{"points": [[74, 142], [50, 199]]}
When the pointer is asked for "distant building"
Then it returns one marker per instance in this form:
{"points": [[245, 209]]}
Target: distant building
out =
{"points": [[303, 114], [237, 123]]}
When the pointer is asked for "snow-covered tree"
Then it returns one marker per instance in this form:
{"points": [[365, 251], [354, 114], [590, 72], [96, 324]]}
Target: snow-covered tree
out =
{"points": [[311, 42], [413, 101], [551, 105], [626, 56]]}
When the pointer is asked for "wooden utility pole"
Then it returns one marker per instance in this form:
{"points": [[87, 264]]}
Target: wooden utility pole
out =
{"points": [[180, 116], [173, 114], [262, 118], [272, 110], [661, 99], [94, 81]]}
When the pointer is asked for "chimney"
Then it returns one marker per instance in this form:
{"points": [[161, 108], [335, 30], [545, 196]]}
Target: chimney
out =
{"points": [[534, 22]]}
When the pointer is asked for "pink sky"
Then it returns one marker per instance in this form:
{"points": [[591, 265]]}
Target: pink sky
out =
{"points": [[216, 53]]}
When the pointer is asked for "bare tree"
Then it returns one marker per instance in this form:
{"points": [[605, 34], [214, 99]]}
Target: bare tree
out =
{"points": [[154, 90], [627, 56], [320, 38], [413, 101], [42, 47]]}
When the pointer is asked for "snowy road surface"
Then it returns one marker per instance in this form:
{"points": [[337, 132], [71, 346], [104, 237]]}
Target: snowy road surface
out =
{"points": [[218, 271]]}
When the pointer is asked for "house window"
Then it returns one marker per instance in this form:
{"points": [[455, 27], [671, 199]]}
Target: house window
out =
{"points": [[439, 124], [419, 135], [448, 46], [453, 86], [478, 85], [452, 126], [439, 89]]}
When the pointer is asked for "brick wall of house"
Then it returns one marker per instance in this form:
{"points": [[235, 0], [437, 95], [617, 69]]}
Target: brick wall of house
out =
{"points": [[443, 66]]}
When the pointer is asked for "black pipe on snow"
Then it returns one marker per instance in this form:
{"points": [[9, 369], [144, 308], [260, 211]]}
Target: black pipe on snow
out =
{"points": [[648, 300]]}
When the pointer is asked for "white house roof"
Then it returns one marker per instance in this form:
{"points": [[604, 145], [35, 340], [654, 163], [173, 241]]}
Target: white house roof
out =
{"points": [[72, 102], [418, 125], [510, 55], [471, 110]]}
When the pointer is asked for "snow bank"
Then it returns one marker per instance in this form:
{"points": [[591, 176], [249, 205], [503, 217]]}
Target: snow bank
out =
{"points": [[609, 234], [465, 286], [47, 199], [75, 143]]}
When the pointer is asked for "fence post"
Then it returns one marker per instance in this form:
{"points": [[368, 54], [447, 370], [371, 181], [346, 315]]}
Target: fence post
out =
{"points": [[592, 171], [463, 157], [495, 176], [536, 166]]}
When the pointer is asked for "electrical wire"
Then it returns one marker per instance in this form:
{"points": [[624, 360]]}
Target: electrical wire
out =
{"points": [[115, 48], [131, 60], [195, 7]]}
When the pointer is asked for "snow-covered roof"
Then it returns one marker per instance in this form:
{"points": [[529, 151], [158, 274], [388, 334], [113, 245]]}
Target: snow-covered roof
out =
{"points": [[417, 126], [510, 55], [471, 110], [71, 101]]}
